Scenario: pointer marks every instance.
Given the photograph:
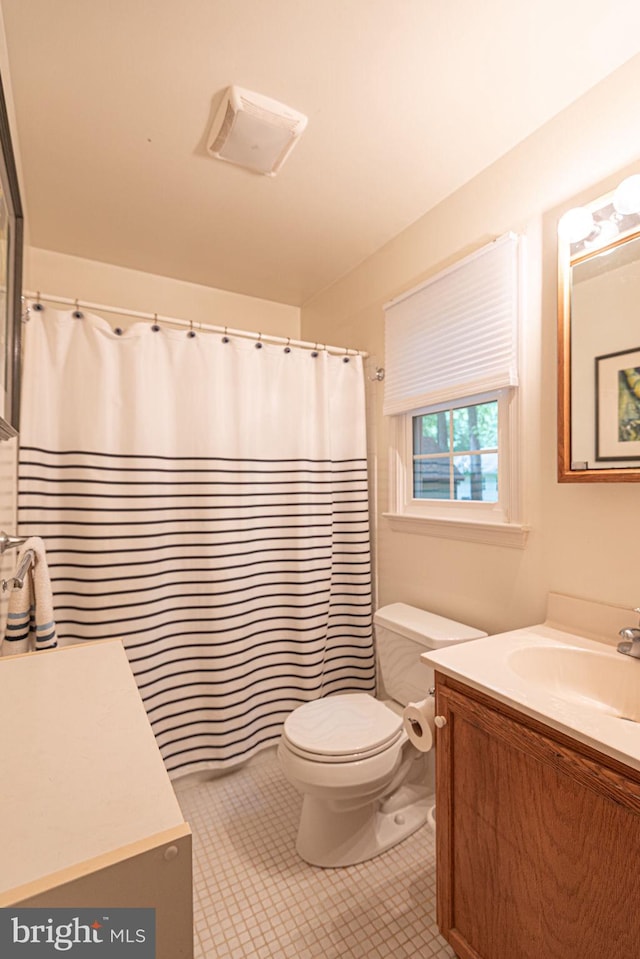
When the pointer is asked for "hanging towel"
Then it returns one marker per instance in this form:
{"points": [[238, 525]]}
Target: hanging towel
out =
{"points": [[30, 622]]}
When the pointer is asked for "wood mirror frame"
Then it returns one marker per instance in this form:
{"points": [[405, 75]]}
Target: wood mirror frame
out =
{"points": [[568, 470]]}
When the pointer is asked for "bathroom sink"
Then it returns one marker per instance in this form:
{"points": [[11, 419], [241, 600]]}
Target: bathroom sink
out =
{"points": [[580, 686], [606, 681]]}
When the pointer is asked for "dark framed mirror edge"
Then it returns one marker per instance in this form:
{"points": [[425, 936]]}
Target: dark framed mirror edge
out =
{"points": [[9, 176]]}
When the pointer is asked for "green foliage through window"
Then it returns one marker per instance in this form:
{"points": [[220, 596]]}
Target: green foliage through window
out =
{"points": [[455, 453]]}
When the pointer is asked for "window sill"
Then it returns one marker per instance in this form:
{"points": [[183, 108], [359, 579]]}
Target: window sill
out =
{"points": [[513, 535]]}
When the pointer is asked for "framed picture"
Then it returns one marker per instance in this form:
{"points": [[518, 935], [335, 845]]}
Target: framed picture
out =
{"points": [[618, 406], [11, 241]]}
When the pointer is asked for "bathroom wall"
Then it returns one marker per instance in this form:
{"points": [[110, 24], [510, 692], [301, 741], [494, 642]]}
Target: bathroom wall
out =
{"points": [[580, 535], [579, 539], [71, 276]]}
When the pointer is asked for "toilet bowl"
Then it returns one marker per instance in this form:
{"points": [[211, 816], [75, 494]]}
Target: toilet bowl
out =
{"points": [[353, 808], [365, 787]]}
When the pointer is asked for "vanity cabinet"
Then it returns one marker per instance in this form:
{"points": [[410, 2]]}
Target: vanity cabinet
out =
{"points": [[538, 837]]}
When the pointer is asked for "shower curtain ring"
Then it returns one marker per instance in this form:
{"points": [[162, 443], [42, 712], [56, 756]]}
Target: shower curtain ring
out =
{"points": [[155, 326], [225, 338], [287, 348], [314, 351], [38, 305], [191, 332], [345, 358], [77, 314], [259, 343]]}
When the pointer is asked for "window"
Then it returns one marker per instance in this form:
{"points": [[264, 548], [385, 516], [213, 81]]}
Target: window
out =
{"points": [[456, 462], [455, 453], [451, 395]]}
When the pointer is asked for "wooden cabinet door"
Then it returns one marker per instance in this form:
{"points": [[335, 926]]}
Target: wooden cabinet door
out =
{"points": [[538, 838]]}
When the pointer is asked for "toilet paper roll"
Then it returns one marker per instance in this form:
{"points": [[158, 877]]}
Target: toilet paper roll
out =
{"points": [[417, 719]]}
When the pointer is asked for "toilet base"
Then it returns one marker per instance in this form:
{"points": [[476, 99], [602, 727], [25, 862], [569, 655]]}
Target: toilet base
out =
{"points": [[332, 838]]}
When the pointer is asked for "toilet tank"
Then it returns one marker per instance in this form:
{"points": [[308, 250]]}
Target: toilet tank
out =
{"points": [[402, 633]]}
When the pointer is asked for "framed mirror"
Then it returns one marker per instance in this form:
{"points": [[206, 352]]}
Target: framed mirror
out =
{"points": [[11, 243], [599, 339]]}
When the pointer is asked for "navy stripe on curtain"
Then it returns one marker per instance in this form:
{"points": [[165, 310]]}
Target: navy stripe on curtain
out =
{"points": [[241, 588]]}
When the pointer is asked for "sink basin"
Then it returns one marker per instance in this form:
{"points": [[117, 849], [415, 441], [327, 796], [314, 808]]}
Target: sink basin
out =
{"points": [[606, 682]]}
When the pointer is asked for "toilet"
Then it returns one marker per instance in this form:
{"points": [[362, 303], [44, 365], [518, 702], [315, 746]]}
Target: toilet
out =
{"points": [[365, 786]]}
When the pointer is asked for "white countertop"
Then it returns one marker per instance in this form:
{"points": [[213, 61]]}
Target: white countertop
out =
{"points": [[81, 771], [487, 665]]}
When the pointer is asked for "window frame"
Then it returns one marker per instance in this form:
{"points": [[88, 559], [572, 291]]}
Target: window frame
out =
{"points": [[491, 522]]}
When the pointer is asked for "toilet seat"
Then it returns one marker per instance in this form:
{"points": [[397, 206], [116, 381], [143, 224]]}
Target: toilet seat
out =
{"points": [[342, 728]]}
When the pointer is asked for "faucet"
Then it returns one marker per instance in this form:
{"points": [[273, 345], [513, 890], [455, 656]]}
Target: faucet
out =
{"points": [[631, 635]]}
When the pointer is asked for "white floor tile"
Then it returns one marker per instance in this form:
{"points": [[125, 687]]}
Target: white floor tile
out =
{"points": [[254, 897]]}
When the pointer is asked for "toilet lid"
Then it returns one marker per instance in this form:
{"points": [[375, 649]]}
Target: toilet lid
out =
{"points": [[343, 725]]}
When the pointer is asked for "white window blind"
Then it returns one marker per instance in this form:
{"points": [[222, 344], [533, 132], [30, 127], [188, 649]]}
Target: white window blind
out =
{"points": [[456, 334]]}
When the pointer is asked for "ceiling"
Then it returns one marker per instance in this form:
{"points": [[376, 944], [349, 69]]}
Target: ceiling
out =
{"points": [[406, 99]]}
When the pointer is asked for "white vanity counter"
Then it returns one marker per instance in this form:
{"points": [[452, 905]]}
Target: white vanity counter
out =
{"points": [[86, 804], [581, 687]]}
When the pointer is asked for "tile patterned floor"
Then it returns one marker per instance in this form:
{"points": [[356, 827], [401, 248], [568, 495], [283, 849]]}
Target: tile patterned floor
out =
{"points": [[253, 896]]}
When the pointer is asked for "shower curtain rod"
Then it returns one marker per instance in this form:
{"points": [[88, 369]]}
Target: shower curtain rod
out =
{"points": [[193, 325]]}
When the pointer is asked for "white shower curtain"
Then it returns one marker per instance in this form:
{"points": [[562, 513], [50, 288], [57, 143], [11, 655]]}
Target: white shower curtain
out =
{"points": [[206, 502]]}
